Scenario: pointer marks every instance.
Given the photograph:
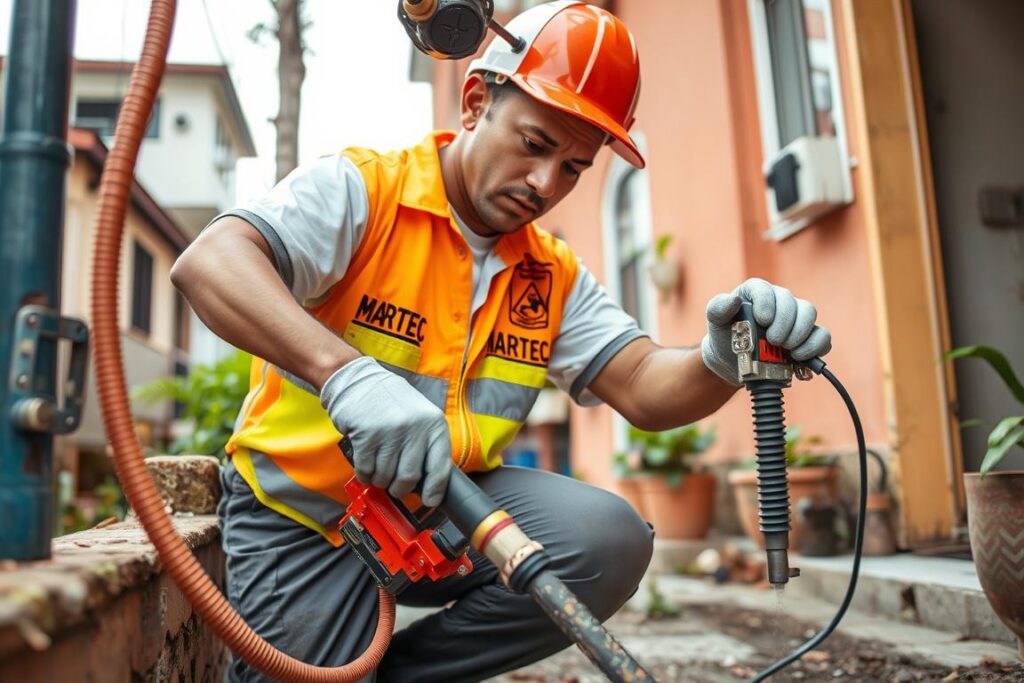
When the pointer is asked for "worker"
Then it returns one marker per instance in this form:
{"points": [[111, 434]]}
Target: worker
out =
{"points": [[409, 301]]}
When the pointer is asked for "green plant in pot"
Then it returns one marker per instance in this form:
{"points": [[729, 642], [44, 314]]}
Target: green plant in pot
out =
{"points": [[671, 490], [995, 503], [663, 272], [211, 396], [813, 484]]}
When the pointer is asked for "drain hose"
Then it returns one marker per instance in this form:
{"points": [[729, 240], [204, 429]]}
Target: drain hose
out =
{"points": [[142, 494]]}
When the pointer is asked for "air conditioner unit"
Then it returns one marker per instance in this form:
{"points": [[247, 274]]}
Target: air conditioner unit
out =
{"points": [[806, 179]]}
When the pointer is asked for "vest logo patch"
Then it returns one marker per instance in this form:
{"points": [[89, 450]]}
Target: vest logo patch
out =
{"points": [[392, 320], [529, 294], [520, 349]]}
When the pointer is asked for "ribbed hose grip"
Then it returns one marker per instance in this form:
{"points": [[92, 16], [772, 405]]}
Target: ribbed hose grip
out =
{"points": [[770, 435]]}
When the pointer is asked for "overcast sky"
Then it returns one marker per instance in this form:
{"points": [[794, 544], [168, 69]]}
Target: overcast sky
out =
{"points": [[356, 90]]}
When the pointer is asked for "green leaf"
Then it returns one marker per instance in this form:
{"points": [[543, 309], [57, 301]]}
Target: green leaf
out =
{"points": [[674, 479], [973, 422], [996, 453], [996, 360], [164, 389], [657, 455], [1002, 429], [661, 246], [211, 397]]}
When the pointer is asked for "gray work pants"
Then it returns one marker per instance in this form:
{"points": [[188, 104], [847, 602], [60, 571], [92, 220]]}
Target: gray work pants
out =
{"points": [[318, 603]]}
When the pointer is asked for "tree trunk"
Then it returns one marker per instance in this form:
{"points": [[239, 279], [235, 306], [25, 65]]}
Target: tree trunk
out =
{"points": [[291, 73]]}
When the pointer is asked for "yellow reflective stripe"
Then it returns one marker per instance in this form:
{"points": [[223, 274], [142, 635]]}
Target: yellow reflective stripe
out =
{"points": [[495, 434], [243, 463], [493, 367], [384, 347], [295, 423]]}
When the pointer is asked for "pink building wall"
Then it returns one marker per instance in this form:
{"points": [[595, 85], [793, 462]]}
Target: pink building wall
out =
{"points": [[698, 113]]}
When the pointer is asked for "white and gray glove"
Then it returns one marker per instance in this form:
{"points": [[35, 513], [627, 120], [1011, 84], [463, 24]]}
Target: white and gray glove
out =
{"points": [[789, 322], [397, 435]]}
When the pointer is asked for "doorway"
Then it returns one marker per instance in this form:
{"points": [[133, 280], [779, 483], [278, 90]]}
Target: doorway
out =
{"points": [[972, 76]]}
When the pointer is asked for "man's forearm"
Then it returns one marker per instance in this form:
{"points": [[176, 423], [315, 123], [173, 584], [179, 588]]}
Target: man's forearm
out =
{"points": [[233, 287], [659, 388], [677, 388]]}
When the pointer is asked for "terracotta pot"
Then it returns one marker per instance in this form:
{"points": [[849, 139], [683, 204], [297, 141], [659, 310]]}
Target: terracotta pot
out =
{"points": [[683, 512], [817, 483], [995, 513], [628, 489]]}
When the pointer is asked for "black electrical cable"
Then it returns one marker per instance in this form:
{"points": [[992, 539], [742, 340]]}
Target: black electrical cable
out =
{"points": [[819, 367]]}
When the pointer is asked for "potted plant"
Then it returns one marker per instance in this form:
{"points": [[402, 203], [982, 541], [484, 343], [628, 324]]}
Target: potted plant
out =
{"points": [[673, 493], [995, 505], [813, 481], [210, 397], [663, 272]]}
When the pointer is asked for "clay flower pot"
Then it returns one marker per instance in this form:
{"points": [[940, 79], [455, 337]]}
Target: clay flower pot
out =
{"points": [[995, 512], [817, 483], [679, 513], [628, 489]]}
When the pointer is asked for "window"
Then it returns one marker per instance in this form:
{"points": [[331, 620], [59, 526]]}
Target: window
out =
{"points": [[626, 218], [142, 288], [182, 318], [223, 156], [800, 107], [629, 251], [101, 116], [628, 241], [180, 370]]}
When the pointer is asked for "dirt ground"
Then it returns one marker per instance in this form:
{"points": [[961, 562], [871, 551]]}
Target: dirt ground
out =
{"points": [[766, 637]]}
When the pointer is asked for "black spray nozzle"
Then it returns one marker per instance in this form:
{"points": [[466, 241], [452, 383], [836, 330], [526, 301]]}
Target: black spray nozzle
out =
{"points": [[765, 370]]}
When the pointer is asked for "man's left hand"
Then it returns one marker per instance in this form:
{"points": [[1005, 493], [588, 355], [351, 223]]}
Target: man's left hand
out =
{"points": [[790, 323]]}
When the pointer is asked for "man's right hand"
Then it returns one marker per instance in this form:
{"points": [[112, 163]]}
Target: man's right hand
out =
{"points": [[397, 435]]}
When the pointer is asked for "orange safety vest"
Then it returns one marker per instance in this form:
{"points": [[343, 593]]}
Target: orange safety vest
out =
{"points": [[405, 300]]}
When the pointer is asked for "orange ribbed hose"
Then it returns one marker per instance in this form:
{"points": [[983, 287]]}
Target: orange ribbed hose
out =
{"points": [[142, 494]]}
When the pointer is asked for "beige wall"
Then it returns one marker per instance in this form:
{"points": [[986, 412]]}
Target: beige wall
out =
{"points": [[146, 356], [200, 99]]}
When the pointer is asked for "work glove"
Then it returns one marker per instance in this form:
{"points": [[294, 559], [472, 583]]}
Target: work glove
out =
{"points": [[789, 322], [397, 435]]}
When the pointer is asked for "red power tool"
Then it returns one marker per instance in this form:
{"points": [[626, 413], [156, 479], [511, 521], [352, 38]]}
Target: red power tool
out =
{"points": [[398, 546]]}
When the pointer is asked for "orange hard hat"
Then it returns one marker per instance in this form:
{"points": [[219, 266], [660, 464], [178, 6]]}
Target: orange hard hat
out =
{"points": [[577, 58]]}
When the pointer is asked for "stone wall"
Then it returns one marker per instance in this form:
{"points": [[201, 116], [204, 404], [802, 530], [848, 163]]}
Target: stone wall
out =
{"points": [[101, 609]]}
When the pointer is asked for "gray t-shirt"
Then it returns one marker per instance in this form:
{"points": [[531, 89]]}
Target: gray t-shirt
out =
{"points": [[316, 217]]}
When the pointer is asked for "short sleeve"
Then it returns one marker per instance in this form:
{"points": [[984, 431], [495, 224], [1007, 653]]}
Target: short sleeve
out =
{"points": [[314, 219], [594, 328]]}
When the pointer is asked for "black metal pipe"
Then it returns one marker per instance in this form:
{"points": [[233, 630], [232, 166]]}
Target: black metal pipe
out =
{"points": [[574, 620], [34, 157]]}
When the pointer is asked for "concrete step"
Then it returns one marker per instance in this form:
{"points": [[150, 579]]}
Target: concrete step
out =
{"points": [[936, 645], [935, 592], [939, 593]]}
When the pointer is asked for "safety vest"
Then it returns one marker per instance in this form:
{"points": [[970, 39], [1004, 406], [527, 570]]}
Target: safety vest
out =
{"points": [[406, 300]]}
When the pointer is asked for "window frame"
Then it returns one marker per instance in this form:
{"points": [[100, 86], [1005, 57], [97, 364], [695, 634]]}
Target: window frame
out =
{"points": [[152, 126], [141, 318], [619, 170], [768, 114]]}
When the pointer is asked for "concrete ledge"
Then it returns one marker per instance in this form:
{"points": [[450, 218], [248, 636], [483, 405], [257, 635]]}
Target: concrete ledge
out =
{"points": [[940, 593], [940, 646], [187, 483], [102, 608]]}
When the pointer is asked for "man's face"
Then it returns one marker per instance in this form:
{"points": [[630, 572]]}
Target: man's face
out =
{"points": [[522, 157]]}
